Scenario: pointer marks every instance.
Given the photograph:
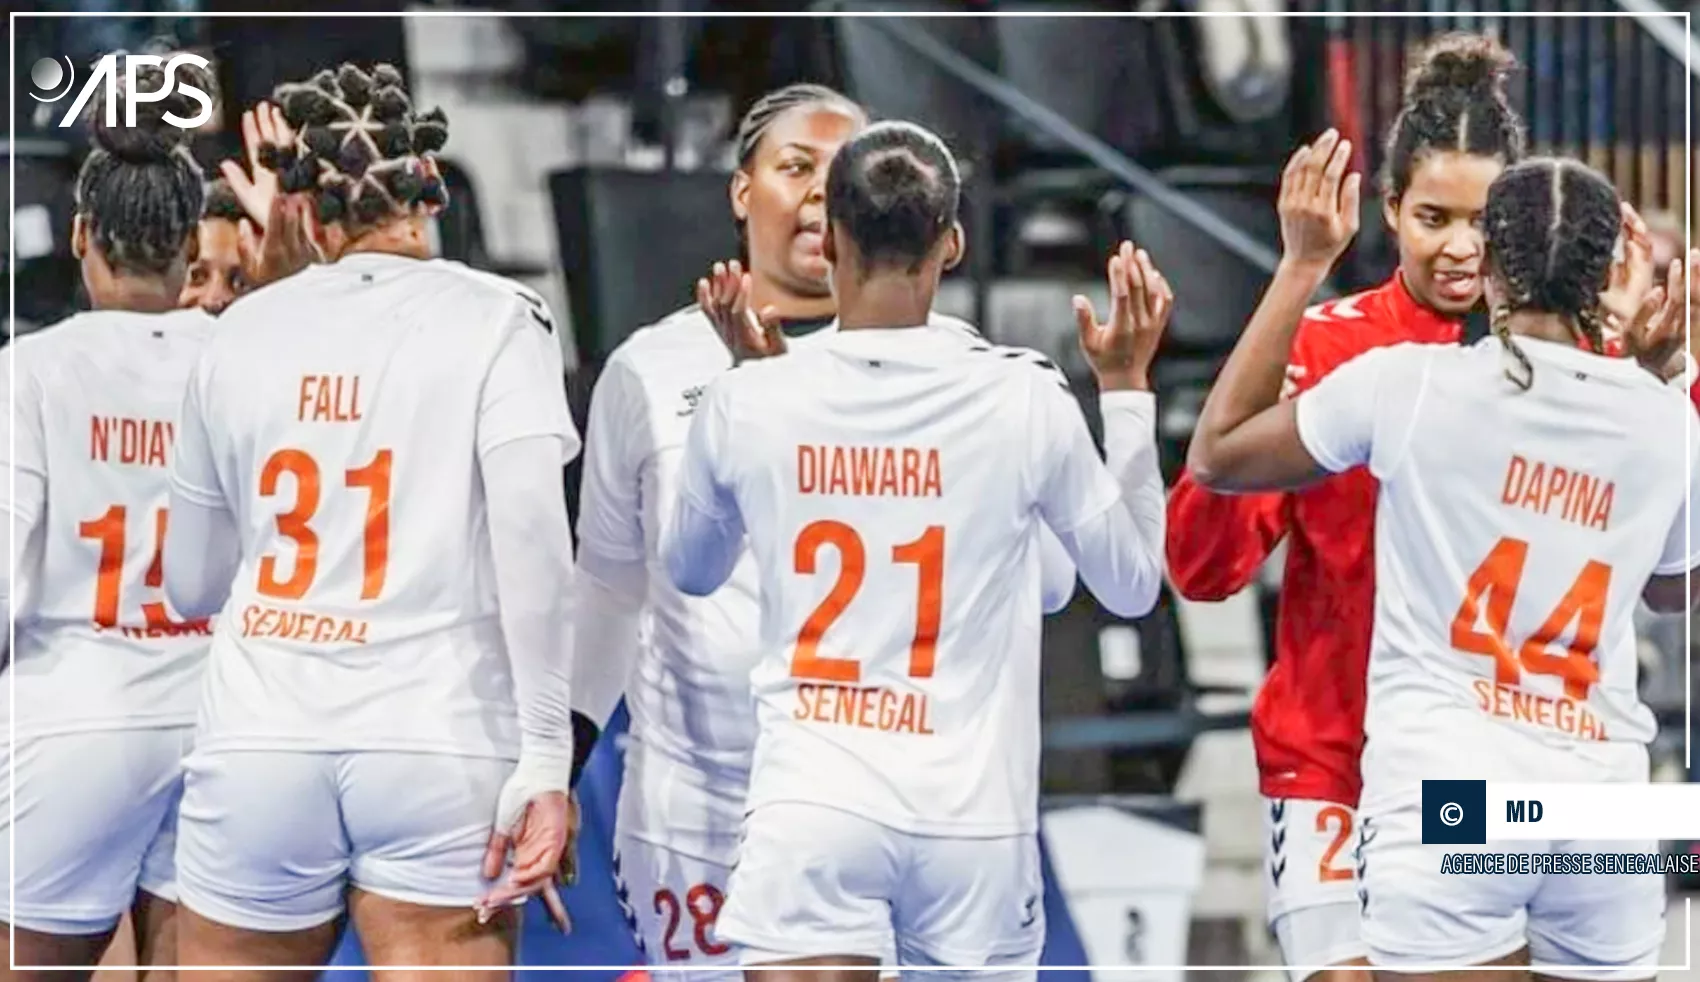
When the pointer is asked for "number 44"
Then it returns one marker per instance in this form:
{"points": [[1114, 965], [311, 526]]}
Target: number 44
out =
{"points": [[1494, 585]]}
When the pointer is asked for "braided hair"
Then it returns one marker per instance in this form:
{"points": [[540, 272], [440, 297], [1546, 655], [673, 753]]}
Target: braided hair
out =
{"points": [[894, 189], [139, 191], [1455, 100], [1551, 226], [762, 114], [359, 147]]}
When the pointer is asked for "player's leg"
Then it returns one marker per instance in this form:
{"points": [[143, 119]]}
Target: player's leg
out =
{"points": [[153, 914], [120, 955], [1498, 969], [87, 807], [974, 904], [261, 864], [812, 887], [415, 935], [1598, 927], [1310, 882], [418, 825], [1416, 916], [153, 923]]}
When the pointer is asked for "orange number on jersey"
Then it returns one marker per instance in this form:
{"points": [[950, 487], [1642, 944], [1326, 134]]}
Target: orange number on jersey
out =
{"points": [[927, 553], [852, 566], [375, 478], [1326, 871], [294, 524], [109, 531], [1498, 577]]}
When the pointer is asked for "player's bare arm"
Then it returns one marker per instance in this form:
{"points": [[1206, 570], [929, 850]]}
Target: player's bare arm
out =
{"points": [[1247, 436]]}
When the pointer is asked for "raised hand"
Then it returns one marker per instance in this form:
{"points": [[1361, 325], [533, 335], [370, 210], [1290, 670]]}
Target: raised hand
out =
{"points": [[1121, 350], [286, 246], [1656, 335], [257, 186], [1632, 271], [1319, 201], [724, 296]]}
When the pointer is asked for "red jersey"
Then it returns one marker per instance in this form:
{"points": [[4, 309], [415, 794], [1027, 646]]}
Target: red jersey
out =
{"points": [[1307, 723]]}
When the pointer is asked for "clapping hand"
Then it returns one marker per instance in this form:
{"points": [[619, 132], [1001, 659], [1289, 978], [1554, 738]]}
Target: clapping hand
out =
{"points": [[1121, 350], [724, 296]]}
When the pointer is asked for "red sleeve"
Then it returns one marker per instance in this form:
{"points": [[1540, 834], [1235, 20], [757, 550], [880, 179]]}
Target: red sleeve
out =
{"points": [[1694, 394], [1216, 543]]}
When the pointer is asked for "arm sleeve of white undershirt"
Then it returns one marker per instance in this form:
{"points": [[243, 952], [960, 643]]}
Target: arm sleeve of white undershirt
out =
{"points": [[203, 548], [613, 576], [1110, 519], [606, 619], [1056, 572], [702, 541], [524, 433]]}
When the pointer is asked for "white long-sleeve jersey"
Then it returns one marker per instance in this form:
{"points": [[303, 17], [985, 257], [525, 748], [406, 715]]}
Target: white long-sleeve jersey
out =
{"points": [[891, 484]]}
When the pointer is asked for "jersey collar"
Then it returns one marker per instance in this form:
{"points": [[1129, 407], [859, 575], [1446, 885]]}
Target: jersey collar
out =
{"points": [[1421, 323]]}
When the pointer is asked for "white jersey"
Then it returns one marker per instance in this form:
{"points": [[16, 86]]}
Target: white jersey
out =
{"points": [[689, 695], [92, 409], [891, 484], [339, 416], [1515, 532]]}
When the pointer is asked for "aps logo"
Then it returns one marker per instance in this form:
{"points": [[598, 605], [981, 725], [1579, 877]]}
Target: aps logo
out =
{"points": [[56, 77]]}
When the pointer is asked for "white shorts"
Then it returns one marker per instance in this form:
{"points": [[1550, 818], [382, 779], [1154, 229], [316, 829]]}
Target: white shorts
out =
{"points": [[269, 840], [1310, 855], [672, 901], [96, 817], [813, 881], [674, 845], [1416, 915]]}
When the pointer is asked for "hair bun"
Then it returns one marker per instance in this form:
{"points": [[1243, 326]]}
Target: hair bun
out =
{"points": [[152, 140], [1460, 61], [896, 171]]}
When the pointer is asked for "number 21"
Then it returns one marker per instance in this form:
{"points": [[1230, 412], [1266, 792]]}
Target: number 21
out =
{"points": [[926, 553]]}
